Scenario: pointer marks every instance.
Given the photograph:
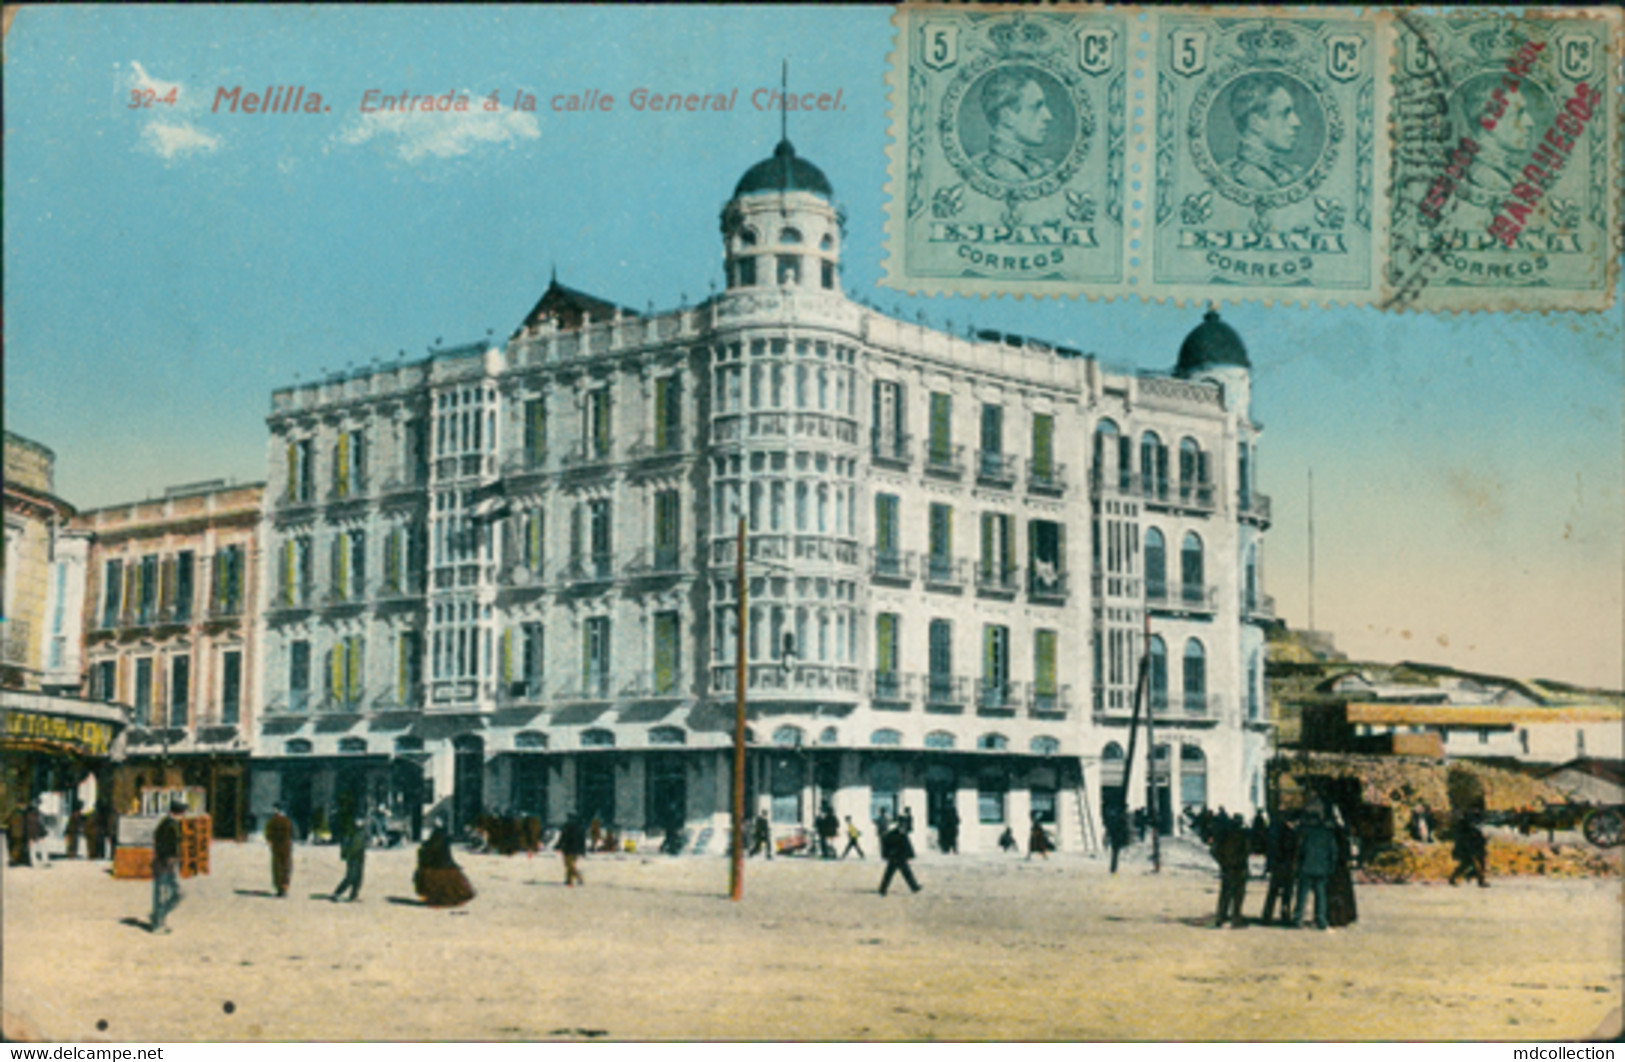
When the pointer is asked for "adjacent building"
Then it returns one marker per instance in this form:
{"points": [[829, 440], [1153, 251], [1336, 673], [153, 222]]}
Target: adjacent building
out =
{"points": [[503, 577], [54, 747], [169, 632]]}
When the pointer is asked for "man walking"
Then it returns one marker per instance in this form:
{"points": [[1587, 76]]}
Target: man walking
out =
{"points": [[852, 835], [279, 835], [1317, 860], [762, 836], [166, 867], [897, 850], [572, 846], [354, 853]]}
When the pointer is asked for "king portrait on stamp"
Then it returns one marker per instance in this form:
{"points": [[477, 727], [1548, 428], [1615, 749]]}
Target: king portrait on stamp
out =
{"points": [[1267, 126], [1018, 119]]}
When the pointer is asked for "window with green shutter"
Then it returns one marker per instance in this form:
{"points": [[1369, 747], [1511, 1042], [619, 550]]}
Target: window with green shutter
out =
{"points": [[665, 652], [1044, 686], [942, 435], [1043, 447], [535, 431]]}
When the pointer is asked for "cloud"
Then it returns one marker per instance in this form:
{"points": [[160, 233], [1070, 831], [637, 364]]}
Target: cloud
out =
{"points": [[419, 134], [166, 130], [168, 139]]}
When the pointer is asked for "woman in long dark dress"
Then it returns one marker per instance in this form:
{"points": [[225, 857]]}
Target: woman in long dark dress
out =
{"points": [[439, 880], [1340, 906]]}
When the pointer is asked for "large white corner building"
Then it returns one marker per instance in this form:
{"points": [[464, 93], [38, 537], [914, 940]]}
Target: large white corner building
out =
{"points": [[502, 578]]}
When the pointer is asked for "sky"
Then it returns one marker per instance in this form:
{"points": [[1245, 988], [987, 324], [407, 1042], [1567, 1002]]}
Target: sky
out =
{"points": [[168, 266]]}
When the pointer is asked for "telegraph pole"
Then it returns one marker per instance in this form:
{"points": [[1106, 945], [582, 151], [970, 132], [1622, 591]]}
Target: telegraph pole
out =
{"points": [[736, 874], [1152, 810]]}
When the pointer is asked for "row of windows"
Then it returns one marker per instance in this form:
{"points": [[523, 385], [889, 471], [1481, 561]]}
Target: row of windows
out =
{"points": [[779, 385], [164, 589], [995, 690], [168, 704]]}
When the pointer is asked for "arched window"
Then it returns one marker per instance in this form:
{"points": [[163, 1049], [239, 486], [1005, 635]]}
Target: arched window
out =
{"points": [[530, 739], [297, 747], [1192, 777], [747, 237], [788, 737], [993, 743], [939, 739], [828, 736], [789, 234], [352, 745], [826, 243], [1195, 677], [886, 736], [597, 738], [667, 735], [1156, 566], [1112, 760], [1193, 590], [1159, 674], [1044, 745], [1153, 466], [1192, 472]]}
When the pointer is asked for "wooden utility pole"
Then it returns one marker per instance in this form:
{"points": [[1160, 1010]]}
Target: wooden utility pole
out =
{"points": [[1152, 808], [736, 874]]}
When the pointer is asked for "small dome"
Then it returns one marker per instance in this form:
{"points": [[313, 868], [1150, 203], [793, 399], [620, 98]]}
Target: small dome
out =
{"points": [[784, 172], [1211, 344]]}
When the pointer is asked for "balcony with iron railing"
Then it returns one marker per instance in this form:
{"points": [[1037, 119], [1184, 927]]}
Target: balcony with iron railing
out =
{"points": [[525, 462], [996, 469], [301, 599], [1046, 477], [592, 570], [1045, 585], [945, 573], [946, 694], [892, 690], [522, 576], [1255, 509], [1201, 705], [352, 595], [649, 446], [349, 493], [944, 459], [655, 563], [998, 699], [224, 611], [1258, 607], [773, 680], [1191, 599], [521, 691], [891, 449], [1053, 703], [999, 580], [890, 566], [582, 458]]}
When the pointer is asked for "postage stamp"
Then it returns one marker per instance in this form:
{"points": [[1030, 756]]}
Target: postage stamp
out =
{"points": [[1504, 195], [1314, 155], [1266, 145], [1010, 134]]}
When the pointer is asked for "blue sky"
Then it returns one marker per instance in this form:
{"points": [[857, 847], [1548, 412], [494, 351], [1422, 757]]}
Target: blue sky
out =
{"points": [[167, 267]]}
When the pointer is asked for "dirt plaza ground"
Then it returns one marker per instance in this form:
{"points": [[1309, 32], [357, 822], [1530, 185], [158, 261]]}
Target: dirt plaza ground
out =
{"points": [[995, 948]]}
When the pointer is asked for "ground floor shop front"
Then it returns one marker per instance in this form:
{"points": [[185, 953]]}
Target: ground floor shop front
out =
{"points": [[644, 795], [56, 754]]}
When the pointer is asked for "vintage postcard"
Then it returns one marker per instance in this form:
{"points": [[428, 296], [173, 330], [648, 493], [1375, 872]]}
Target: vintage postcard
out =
{"points": [[828, 524]]}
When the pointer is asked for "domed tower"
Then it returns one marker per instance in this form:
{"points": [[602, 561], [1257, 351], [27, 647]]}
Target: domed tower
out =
{"points": [[781, 228], [1213, 351]]}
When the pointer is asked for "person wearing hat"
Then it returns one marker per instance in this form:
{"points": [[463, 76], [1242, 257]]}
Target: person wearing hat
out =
{"points": [[166, 866]]}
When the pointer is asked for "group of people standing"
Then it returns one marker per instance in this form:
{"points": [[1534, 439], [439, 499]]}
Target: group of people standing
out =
{"points": [[1304, 856], [26, 834]]}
